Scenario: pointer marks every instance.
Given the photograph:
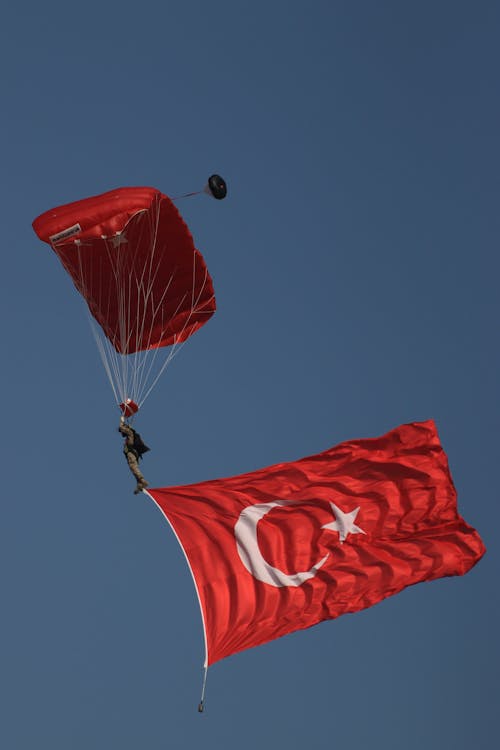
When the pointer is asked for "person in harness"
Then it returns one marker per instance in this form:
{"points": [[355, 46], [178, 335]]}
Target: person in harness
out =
{"points": [[133, 449]]}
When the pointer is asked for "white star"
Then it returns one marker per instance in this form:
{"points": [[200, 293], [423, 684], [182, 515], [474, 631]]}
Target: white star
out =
{"points": [[344, 523]]}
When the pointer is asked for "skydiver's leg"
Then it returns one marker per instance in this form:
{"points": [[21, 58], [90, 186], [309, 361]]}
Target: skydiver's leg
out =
{"points": [[134, 468], [134, 465]]}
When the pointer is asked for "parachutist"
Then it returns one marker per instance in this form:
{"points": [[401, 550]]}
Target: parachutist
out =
{"points": [[133, 449]]}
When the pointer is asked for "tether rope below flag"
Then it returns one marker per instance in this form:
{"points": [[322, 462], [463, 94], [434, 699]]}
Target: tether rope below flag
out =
{"points": [[285, 547]]}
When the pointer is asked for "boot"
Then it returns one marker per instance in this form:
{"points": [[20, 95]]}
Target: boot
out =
{"points": [[141, 484]]}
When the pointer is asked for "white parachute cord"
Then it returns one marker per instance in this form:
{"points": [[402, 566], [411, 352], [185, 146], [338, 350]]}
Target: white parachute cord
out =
{"points": [[177, 347], [148, 275], [146, 374], [152, 353], [106, 363], [134, 372], [135, 375], [123, 297], [171, 355], [115, 364], [110, 364], [115, 361], [112, 361], [144, 289], [143, 372], [123, 362]]}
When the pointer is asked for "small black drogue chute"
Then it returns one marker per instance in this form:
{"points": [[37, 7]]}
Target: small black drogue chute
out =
{"points": [[216, 186]]}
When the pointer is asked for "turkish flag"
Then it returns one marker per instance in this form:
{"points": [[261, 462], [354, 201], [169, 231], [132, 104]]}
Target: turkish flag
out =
{"points": [[288, 546]]}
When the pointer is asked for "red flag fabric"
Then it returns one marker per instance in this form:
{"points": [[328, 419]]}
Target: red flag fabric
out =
{"points": [[288, 546]]}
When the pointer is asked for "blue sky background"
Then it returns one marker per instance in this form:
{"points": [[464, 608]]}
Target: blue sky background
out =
{"points": [[356, 269]]}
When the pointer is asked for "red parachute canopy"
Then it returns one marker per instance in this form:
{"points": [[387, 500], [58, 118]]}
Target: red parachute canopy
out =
{"points": [[132, 257]]}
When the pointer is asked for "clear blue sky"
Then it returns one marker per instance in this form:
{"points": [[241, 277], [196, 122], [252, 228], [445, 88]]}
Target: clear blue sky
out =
{"points": [[356, 269]]}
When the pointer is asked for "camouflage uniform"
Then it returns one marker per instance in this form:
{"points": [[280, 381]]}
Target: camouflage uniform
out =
{"points": [[132, 456]]}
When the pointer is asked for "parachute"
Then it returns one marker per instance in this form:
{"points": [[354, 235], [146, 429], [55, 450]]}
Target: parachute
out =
{"points": [[132, 258]]}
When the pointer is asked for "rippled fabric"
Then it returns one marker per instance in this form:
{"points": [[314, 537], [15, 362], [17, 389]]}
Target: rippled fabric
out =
{"points": [[251, 539], [132, 257]]}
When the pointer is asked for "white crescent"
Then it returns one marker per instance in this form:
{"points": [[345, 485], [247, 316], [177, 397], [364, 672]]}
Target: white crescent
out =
{"points": [[245, 531]]}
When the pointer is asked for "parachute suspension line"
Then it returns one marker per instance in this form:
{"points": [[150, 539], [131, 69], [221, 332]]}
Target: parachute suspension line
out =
{"points": [[109, 361], [113, 363], [131, 296], [106, 361], [201, 704], [122, 367], [120, 364], [176, 347], [141, 374], [135, 330], [129, 374], [146, 280], [187, 195]]}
